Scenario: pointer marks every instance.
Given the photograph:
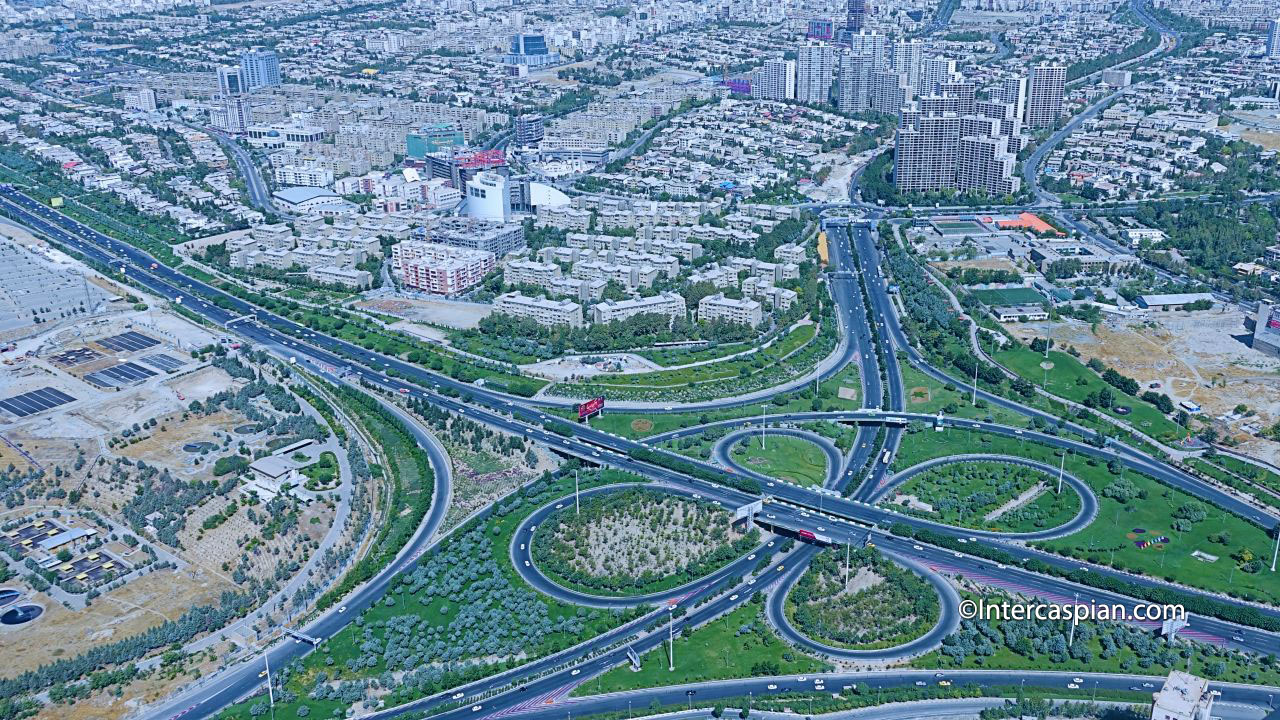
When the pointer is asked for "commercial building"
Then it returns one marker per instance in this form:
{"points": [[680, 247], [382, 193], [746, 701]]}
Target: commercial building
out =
{"points": [[667, 303], [530, 50], [539, 309], [1045, 88], [1183, 697], [433, 138], [440, 269], [259, 68], [229, 82], [855, 15], [718, 307], [1266, 330], [1172, 301], [1273, 38], [814, 63], [489, 197]]}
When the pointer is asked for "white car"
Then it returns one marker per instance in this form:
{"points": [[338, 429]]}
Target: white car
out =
{"points": [[1079, 680], [771, 686], [921, 683], [733, 597], [1072, 686], [752, 556], [958, 555], [476, 708], [575, 671], [521, 546], [458, 696], [526, 563], [801, 678], [342, 609], [916, 547]]}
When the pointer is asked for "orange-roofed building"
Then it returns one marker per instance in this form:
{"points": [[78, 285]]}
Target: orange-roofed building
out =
{"points": [[1028, 221]]}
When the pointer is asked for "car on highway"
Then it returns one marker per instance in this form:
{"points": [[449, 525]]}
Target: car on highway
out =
{"points": [[1073, 686], [921, 683], [959, 555], [476, 708], [916, 547], [342, 609], [1238, 638], [944, 683], [771, 686], [459, 696], [575, 671], [1147, 685]]}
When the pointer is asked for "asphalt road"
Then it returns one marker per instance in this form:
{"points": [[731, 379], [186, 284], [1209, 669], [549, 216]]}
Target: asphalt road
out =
{"points": [[586, 442]]}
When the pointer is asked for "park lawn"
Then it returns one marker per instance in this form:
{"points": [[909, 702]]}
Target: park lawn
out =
{"points": [[715, 651], [668, 357], [785, 458], [926, 395], [1070, 379], [640, 425], [946, 488], [766, 357], [1104, 541], [1260, 475], [1224, 476], [1239, 669]]}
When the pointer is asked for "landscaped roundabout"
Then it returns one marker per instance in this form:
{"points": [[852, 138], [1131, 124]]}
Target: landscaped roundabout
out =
{"points": [[626, 545], [996, 496]]}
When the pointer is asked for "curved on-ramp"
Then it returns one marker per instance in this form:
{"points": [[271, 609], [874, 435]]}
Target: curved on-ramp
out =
{"points": [[948, 616], [521, 553], [1088, 501]]}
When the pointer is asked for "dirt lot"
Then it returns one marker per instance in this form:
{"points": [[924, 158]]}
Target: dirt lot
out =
{"points": [[138, 605], [448, 313], [1200, 356]]}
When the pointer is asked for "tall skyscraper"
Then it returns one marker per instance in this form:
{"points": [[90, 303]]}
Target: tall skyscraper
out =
{"points": [[906, 59], [890, 91], [229, 83], [855, 15], [873, 44], [853, 82], [1045, 88], [933, 71], [814, 61], [1273, 38], [776, 80], [945, 141], [1014, 92], [259, 68]]}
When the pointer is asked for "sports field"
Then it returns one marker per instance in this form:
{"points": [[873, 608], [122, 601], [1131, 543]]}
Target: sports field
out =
{"points": [[1008, 296]]}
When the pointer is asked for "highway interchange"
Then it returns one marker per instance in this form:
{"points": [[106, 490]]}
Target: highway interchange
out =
{"points": [[851, 520]]}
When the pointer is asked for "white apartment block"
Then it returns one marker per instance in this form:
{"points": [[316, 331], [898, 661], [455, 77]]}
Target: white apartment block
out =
{"points": [[776, 80], [530, 272], [539, 309], [1045, 87], [308, 175], [668, 303], [790, 253], [439, 269], [814, 63], [349, 277], [718, 307]]}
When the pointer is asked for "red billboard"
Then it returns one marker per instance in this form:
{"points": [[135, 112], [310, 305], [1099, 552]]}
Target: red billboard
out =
{"points": [[590, 407]]}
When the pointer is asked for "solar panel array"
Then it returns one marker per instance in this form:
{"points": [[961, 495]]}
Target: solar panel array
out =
{"points": [[164, 362], [35, 401], [119, 375], [127, 342]]}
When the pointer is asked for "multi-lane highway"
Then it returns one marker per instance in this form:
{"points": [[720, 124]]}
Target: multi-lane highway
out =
{"points": [[507, 413]]}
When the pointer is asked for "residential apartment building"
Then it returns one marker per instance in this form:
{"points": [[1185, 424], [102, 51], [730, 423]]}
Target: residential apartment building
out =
{"points": [[776, 80], [439, 269], [718, 307], [668, 303], [814, 63], [1045, 88], [539, 309]]}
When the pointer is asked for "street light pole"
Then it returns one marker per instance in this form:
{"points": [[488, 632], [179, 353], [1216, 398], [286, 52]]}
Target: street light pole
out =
{"points": [[577, 509], [1276, 551], [763, 420], [1062, 466], [671, 640]]}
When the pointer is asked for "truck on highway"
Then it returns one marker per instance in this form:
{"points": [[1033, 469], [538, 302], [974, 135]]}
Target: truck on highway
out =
{"points": [[814, 537]]}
